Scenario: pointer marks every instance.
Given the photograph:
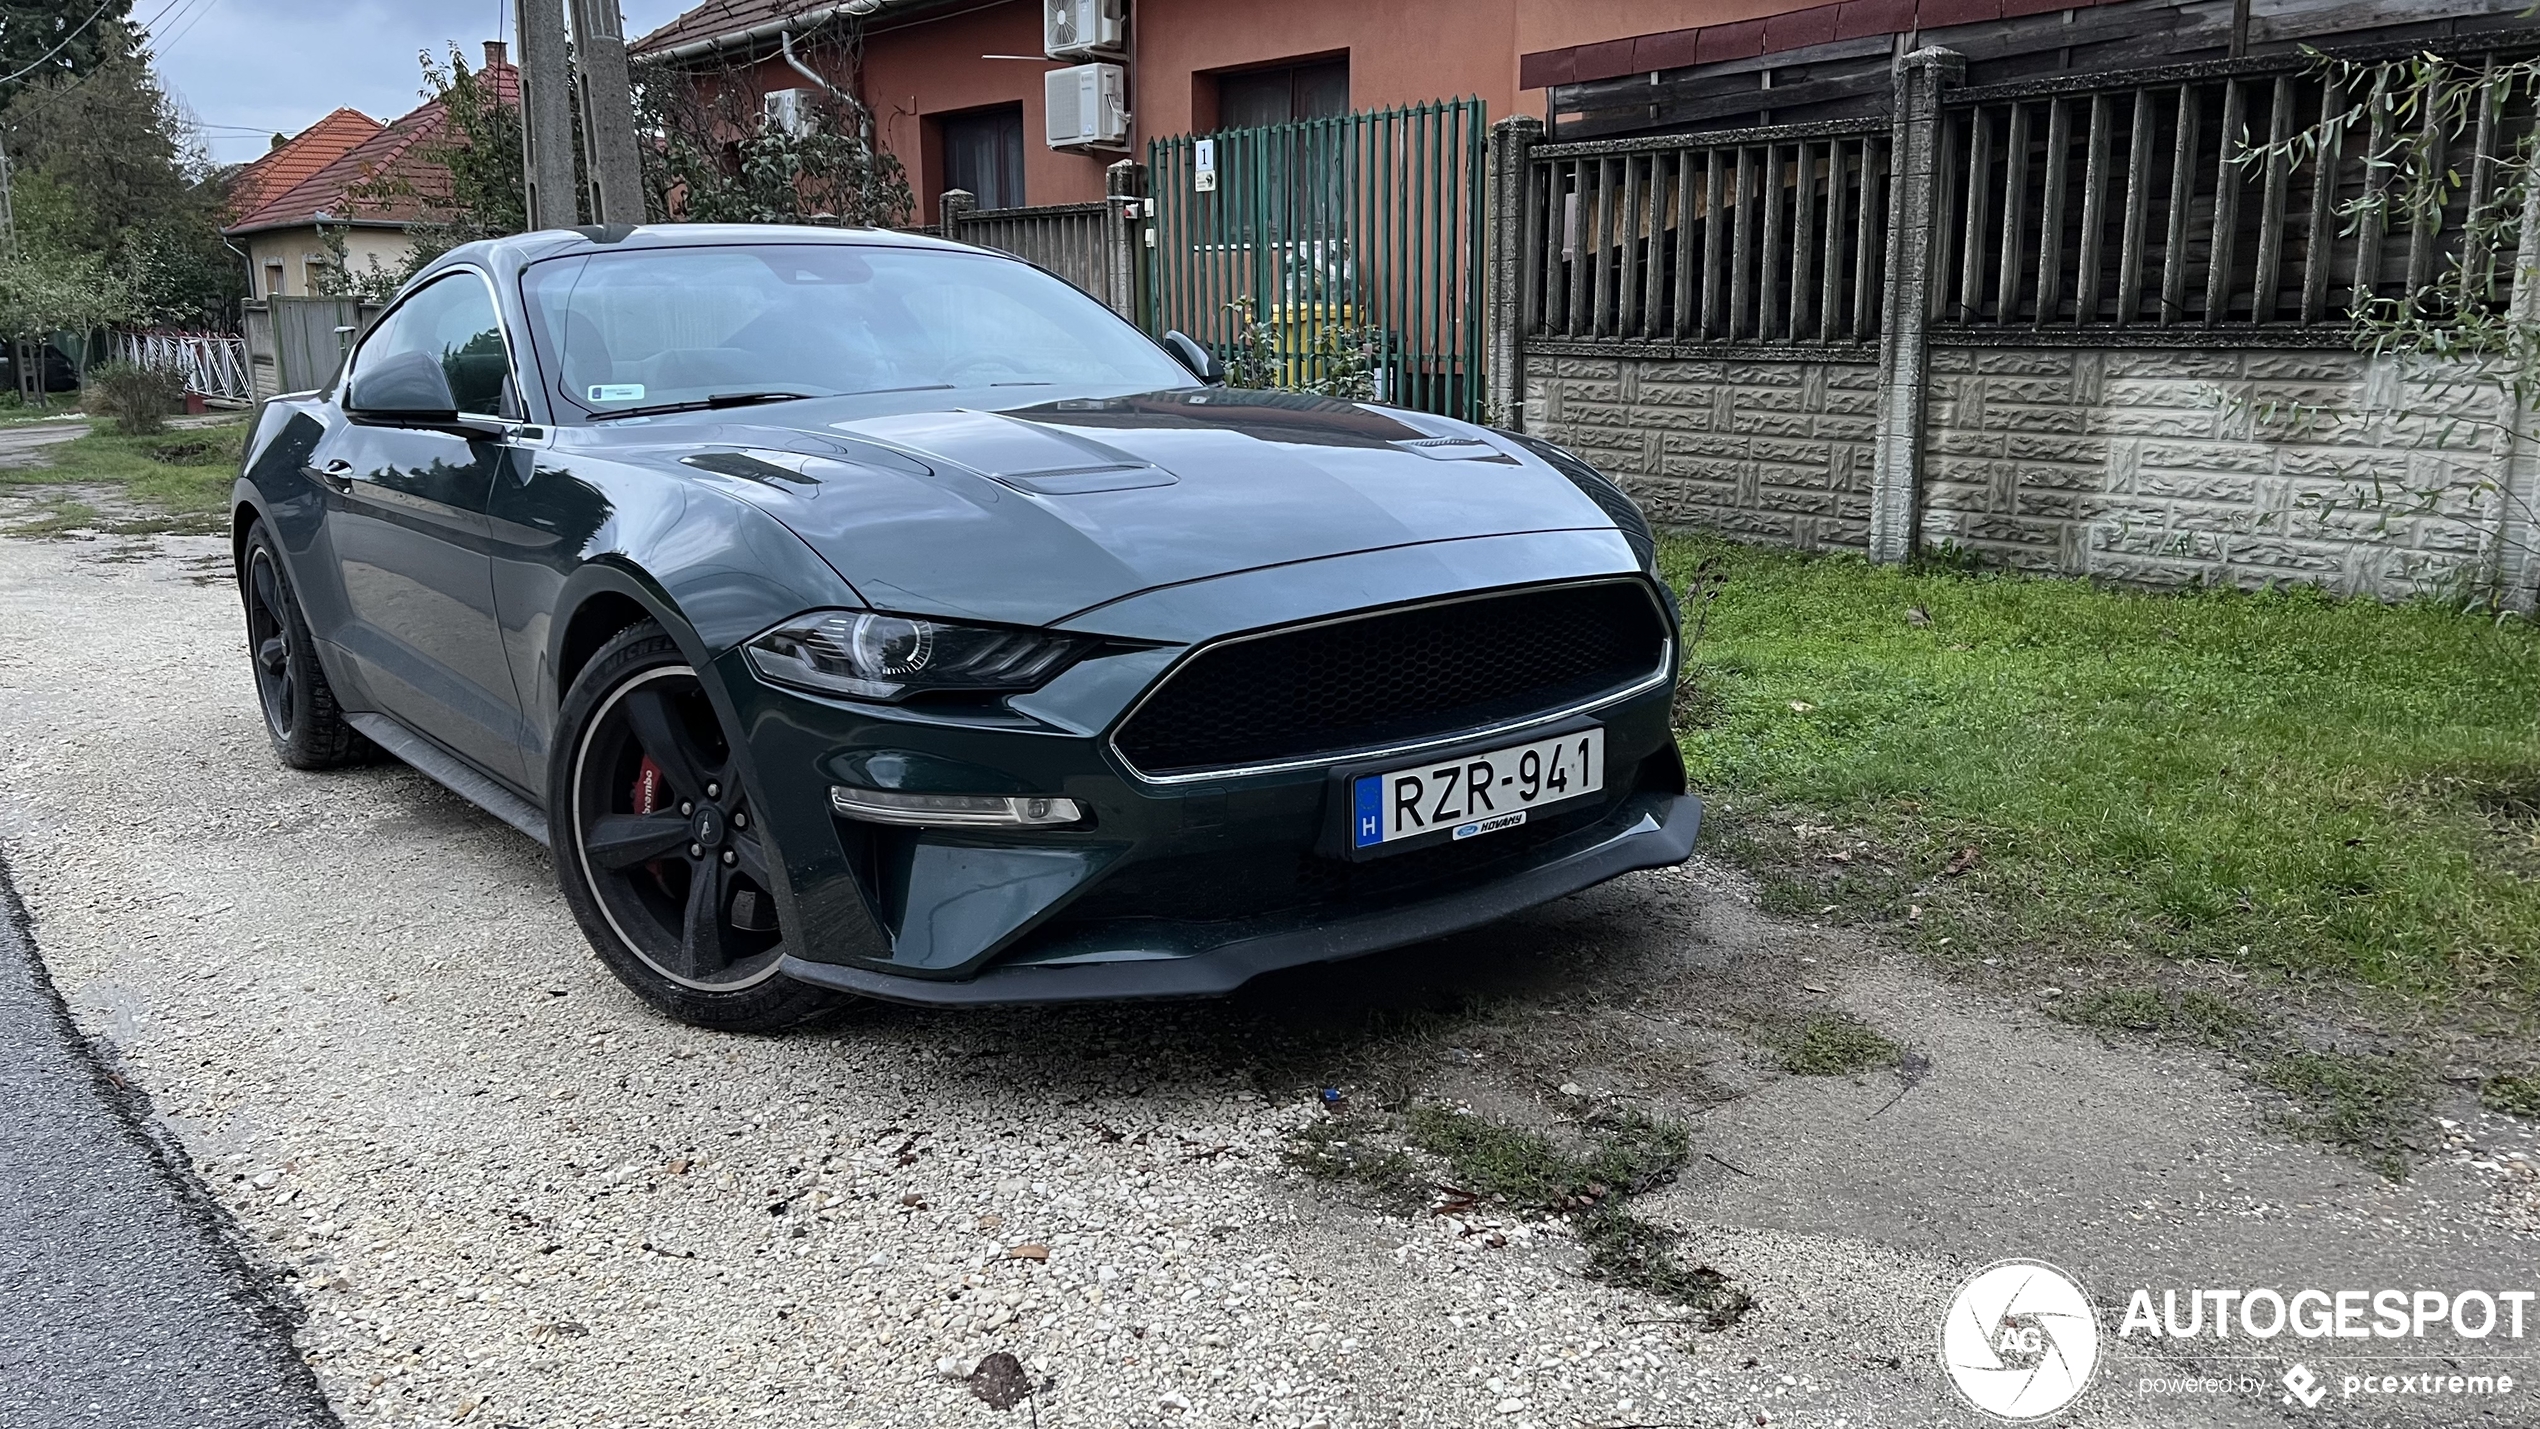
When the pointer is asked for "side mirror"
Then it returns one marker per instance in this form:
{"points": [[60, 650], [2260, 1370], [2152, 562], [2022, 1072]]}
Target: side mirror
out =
{"points": [[407, 389], [410, 389], [1203, 363]]}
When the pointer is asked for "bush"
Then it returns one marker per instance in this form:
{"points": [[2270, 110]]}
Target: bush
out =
{"points": [[136, 397]]}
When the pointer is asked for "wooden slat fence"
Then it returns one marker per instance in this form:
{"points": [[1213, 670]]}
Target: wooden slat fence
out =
{"points": [[1773, 236], [2132, 203]]}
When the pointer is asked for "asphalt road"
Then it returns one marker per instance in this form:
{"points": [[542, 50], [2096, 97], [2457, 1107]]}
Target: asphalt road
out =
{"points": [[123, 1298]]}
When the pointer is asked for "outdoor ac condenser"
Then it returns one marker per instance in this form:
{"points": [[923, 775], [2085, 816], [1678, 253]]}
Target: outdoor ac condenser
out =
{"points": [[1087, 108], [788, 111], [1078, 29]]}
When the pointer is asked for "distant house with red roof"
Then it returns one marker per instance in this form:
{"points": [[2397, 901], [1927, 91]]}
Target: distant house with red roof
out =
{"points": [[331, 177], [292, 160]]}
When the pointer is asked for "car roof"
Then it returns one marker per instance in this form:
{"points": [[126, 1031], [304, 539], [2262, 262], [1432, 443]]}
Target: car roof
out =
{"points": [[509, 255]]}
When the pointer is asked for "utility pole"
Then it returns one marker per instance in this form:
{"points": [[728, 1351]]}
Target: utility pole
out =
{"points": [[546, 115], [22, 356], [8, 207], [608, 113]]}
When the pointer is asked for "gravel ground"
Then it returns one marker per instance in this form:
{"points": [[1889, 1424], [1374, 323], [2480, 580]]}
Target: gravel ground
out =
{"points": [[508, 1195]]}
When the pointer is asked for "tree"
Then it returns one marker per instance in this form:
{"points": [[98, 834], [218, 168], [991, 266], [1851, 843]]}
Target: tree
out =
{"points": [[474, 190], [105, 164], [43, 293], [717, 157], [42, 41]]}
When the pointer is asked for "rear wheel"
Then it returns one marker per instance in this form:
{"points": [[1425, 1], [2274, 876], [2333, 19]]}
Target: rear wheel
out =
{"points": [[306, 724], [658, 847]]}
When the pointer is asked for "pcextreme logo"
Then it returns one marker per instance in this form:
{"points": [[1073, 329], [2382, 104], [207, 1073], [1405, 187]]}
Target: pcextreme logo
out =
{"points": [[2021, 1340]]}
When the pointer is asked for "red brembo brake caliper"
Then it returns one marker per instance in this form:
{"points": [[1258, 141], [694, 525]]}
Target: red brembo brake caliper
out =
{"points": [[652, 795]]}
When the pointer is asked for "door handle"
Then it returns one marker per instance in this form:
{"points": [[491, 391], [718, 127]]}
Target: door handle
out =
{"points": [[337, 474]]}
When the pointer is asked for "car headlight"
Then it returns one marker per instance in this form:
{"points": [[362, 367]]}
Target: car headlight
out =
{"points": [[869, 655]]}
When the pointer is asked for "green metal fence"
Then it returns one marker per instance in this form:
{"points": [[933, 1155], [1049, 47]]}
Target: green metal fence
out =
{"points": [[1324, 230]]}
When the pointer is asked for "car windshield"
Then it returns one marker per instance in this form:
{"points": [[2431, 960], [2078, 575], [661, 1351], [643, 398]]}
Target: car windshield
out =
{"points": [[656, 329]]}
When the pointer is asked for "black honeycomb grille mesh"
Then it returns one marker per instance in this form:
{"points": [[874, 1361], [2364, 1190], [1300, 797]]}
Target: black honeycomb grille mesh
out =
{"points": [[1395, 676]]}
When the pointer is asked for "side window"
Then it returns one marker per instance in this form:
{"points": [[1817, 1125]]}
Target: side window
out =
{"points": [[453, 322]]}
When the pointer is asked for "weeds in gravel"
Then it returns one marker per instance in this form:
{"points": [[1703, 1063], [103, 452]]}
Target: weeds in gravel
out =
{"points": [[2372, 1106], [1632, 1153], [2515, 1094], [2191, 1015], [1352, 1149], [1627, 1152], [1831, 1044], [181, 480]]}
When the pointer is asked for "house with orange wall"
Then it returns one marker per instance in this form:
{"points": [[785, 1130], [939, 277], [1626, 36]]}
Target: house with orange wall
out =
{"points": [[956, 88]]}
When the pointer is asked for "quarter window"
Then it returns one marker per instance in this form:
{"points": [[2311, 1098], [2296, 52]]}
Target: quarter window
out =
{"points": [[452, 321]]}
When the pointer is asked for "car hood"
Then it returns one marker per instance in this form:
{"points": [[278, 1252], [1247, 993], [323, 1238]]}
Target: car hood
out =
{"points": [[1030, 515]]}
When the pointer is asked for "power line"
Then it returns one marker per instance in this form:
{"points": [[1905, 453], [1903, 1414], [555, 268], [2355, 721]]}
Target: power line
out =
{"points": [[64, 45], [196, 19]]}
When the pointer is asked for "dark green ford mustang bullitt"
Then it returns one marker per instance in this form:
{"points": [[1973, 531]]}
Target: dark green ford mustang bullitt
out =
{"points": [[860, 613]]}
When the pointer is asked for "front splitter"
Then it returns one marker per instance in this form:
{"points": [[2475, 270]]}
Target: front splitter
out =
{"points": [[1661, 836]]}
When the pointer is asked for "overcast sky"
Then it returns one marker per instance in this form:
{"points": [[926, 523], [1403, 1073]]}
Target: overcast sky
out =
{"points": [[250, 67]]}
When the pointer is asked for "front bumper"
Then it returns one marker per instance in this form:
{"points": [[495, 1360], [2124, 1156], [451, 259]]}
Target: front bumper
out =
{"points": [[1647, 831], [1178, 888]]}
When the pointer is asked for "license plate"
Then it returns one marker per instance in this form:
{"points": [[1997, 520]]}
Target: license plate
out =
{"points": [[1477, 794]]}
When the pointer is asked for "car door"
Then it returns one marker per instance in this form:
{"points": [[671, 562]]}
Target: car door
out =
{"points": [[407, 524]]}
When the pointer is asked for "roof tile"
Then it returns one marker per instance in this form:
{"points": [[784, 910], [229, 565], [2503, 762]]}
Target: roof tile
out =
{"points": [[282, 167], [396, 150]]}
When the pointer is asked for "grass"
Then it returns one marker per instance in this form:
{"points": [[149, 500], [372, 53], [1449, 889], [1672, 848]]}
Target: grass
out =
{"points": [[2274, 793], [1831, 1044], [1623, 1154], [2283, 781], [2515, 1094], [181, 477]]}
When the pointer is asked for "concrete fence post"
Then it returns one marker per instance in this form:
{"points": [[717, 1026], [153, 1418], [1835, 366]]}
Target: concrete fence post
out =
{"points": [[1123, 185], [1896, 472], [956, 205], [2518, 517], [1512, 142]]}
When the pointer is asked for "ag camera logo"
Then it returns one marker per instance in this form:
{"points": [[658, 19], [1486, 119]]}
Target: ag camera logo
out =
{"points": [[2021, 1340]]}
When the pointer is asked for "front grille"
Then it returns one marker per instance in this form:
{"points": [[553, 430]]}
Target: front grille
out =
{"points": [[1395, 676]]}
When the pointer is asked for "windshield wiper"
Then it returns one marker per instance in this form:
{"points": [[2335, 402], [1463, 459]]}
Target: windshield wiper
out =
{"points": [[720, 400], [716, 402]]}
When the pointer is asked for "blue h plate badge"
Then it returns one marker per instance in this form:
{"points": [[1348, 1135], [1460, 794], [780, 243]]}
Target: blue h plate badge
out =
{"points": [[1367, 818]]}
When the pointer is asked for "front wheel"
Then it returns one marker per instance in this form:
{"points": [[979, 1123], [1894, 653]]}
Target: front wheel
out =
{"points": [[658, 849], [302, 718]]}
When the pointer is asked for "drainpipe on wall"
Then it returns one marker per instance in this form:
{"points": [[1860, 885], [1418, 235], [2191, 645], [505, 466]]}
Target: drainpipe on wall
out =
{"points": [[864, 116]]}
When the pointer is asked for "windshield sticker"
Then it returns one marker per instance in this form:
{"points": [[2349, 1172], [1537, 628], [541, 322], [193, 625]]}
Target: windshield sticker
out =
{"points": [[617, 392]]}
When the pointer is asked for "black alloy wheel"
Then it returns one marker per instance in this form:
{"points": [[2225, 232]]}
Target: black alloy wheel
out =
{"points": [[658, 847], [306, 724]]}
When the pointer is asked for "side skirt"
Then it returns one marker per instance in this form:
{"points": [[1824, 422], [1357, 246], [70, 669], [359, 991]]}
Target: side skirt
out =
{"points": [[452, 773]]}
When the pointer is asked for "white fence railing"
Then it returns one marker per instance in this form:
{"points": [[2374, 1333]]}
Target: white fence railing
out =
{"points": [[213, 364]]}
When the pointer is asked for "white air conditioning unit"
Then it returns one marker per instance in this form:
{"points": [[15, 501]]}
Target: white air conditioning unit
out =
{"points": [[788, 111], [1088, 107], [1076, 29]]}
